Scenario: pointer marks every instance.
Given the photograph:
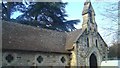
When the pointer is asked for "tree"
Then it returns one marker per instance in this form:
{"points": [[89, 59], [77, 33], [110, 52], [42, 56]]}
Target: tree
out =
{"points": [[111, 12], [114, 51], [8, 8], [45, 14]]}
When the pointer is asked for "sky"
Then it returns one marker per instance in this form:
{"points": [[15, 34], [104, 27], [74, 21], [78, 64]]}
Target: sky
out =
{"points": [[74, 10]]}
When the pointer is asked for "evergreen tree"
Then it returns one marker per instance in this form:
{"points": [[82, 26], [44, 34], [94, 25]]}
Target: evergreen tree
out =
{"points": [[10, 7], [49, 15]]}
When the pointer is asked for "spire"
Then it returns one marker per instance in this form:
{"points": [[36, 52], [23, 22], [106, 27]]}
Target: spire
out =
{"points": [[87, 7], [88, 17]]}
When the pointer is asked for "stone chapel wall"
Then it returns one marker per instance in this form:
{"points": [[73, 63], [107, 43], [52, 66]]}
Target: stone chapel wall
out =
{"points": [[34, 59]]}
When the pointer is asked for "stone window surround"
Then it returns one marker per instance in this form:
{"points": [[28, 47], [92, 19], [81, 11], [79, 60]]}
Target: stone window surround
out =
{"points": [[37, 57], [65, 59], [87, 42], [14, 57]]}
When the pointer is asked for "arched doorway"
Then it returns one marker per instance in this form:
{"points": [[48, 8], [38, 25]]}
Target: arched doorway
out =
{"points": [[93, 61]]}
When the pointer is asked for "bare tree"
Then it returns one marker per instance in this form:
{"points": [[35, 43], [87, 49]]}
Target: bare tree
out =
{"points": [[111, 12]]}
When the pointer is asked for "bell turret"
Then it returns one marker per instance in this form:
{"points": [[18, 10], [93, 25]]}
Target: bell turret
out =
{"points": [[88, 17]]}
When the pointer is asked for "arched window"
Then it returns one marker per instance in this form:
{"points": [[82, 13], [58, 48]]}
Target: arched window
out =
{"points": [[101, 45], [96, 43], [94, 29], [90, 28], [87, 42]]}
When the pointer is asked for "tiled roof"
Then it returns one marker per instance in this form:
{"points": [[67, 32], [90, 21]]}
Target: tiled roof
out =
{"points": [[71, 38], [23, 37]]}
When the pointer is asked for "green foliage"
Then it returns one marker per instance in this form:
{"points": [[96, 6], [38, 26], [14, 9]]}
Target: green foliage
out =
{"points": [[49, 15], [8, 8]]}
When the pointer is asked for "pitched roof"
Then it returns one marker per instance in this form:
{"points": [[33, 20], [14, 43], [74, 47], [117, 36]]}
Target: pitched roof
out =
{"points": [[22, 37], [102, 39], [71, 38]]}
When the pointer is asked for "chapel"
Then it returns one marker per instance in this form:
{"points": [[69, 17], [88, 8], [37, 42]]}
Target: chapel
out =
{"points": [[33, 47]]}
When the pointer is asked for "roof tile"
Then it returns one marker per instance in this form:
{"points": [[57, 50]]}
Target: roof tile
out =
{"points": [[23, 37]]}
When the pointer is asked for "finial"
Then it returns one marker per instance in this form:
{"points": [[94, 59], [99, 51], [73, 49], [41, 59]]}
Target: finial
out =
{"points": [[87, 0]]}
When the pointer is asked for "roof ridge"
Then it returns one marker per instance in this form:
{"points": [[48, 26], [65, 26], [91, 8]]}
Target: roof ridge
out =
{"points": [[39, 28]]}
